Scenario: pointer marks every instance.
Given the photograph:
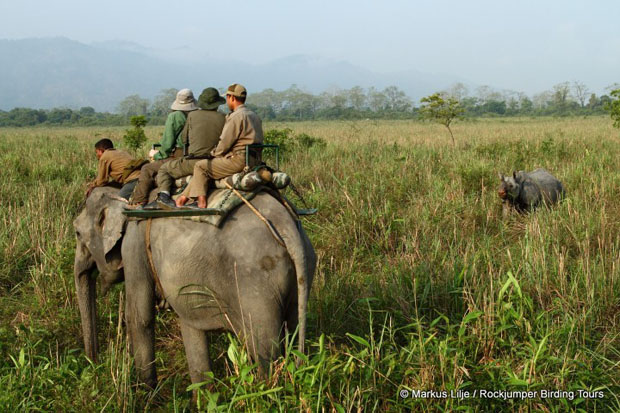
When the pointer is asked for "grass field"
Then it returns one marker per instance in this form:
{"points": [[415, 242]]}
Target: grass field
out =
{"points": [[421, 284]]}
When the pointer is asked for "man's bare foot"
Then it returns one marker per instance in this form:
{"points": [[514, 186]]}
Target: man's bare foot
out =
{"points": [[202, 201], [182, 200]]}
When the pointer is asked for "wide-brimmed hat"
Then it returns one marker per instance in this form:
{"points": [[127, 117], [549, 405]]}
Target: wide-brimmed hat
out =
{"points": [[184, 101], [236, 90], [210, 99]]}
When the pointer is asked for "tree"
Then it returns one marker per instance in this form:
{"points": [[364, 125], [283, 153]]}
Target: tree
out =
{"points": [[25, 117], [542, 100], [87, 111], [268, 98], [133, 105], [337, 98], [396, 99], [561, 94], [593, 101], [526, 105], [357, 98], [376, 100], [441, 110], [458, 91], [59, 116], [613, 106], [494, 106], [300, 104], [135, 138], [161, 103], [581, 92], [486, 93]]}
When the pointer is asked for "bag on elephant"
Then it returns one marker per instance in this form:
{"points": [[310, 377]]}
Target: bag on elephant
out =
{"points": [[133, 165]]}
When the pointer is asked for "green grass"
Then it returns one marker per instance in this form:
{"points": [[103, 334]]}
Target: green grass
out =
{"points": [[421, 283]]}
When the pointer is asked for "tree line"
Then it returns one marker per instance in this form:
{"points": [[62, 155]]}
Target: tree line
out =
{"points": [[294, 103]]}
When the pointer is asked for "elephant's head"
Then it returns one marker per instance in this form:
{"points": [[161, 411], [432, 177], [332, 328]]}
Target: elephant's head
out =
{"points": [[99, 231]]}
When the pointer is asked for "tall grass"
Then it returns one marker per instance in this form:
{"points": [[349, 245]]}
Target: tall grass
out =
{"points": [[422, 283]]}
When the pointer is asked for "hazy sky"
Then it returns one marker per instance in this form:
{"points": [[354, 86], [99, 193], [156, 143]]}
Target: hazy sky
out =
{"points": [[520, 44]]}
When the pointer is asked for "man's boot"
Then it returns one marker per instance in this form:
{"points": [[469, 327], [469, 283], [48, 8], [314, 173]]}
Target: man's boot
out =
{"points": [[165, 201], [152, 205]]}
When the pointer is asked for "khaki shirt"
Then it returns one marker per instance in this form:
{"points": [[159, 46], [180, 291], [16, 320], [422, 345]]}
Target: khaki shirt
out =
{"points": [[243, 127], [111, 166], [203, 129]]}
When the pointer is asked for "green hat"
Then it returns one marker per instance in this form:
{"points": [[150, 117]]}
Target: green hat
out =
{"points": [[237, 90], [210, 99]]}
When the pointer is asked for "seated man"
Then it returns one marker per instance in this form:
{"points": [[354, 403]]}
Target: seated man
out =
{"points": [[200, 135], [112, 164], [171, 145], [242, 127]]}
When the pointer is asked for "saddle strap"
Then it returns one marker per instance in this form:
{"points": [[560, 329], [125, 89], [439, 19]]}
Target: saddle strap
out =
{"points": [[273, 231]]}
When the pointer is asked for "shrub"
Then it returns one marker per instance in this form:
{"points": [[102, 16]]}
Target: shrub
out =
{"points": [[135, 138], [290, 143]]}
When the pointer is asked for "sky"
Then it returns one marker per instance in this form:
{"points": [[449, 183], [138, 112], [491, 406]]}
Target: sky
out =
{"points": [[520, 45]]}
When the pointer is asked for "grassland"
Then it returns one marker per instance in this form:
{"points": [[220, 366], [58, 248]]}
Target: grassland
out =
{"points": [[421, 282]]}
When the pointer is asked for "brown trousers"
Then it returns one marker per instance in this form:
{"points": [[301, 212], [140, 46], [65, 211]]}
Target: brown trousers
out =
{"points": [[215, 168], [175, 169], [146, 181]]}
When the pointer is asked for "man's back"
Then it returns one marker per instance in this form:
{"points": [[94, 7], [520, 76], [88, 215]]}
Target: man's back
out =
{"points": [[203, 130], [243, 127], [112, 165]]}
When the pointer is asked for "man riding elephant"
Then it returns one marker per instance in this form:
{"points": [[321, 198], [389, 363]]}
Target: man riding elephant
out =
{"points": [[112, 165], [200, 135], [171, 145], [243, 127]]}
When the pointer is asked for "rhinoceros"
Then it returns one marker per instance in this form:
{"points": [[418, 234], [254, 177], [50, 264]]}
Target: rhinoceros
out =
{"points": [[527, 190]]}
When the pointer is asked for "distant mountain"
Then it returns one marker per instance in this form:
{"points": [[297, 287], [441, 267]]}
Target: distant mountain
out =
{"points": [[55, 72]]}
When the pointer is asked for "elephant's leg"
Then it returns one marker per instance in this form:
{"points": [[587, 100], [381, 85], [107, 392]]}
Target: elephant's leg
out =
{"points": [[291, 320], [140, 313], [87, 299], [197, 352], [262, 336]]}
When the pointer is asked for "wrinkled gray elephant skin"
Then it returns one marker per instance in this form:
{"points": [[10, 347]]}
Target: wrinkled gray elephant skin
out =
{"points": [[236, 278]]}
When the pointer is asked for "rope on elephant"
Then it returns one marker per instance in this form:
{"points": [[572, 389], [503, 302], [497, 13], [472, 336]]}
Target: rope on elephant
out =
{"points": [[258, 214], [117, 198], [149, 254]]}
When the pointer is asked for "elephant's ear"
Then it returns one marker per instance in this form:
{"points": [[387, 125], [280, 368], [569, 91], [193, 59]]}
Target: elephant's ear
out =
{"points": [[112, 223]]}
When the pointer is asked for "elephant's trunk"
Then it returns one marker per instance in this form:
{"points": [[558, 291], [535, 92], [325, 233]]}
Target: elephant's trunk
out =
{"points": [[85, 286]]}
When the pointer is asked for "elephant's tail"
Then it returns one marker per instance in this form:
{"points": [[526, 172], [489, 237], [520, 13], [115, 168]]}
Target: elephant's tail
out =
{"points": [[304, 259]]}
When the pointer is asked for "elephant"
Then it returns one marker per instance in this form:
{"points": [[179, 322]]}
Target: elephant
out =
{"points": [[236, 278]]}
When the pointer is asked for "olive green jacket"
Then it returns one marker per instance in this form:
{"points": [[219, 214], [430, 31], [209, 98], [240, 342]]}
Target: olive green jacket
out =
{"points": [[202, 130]]}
